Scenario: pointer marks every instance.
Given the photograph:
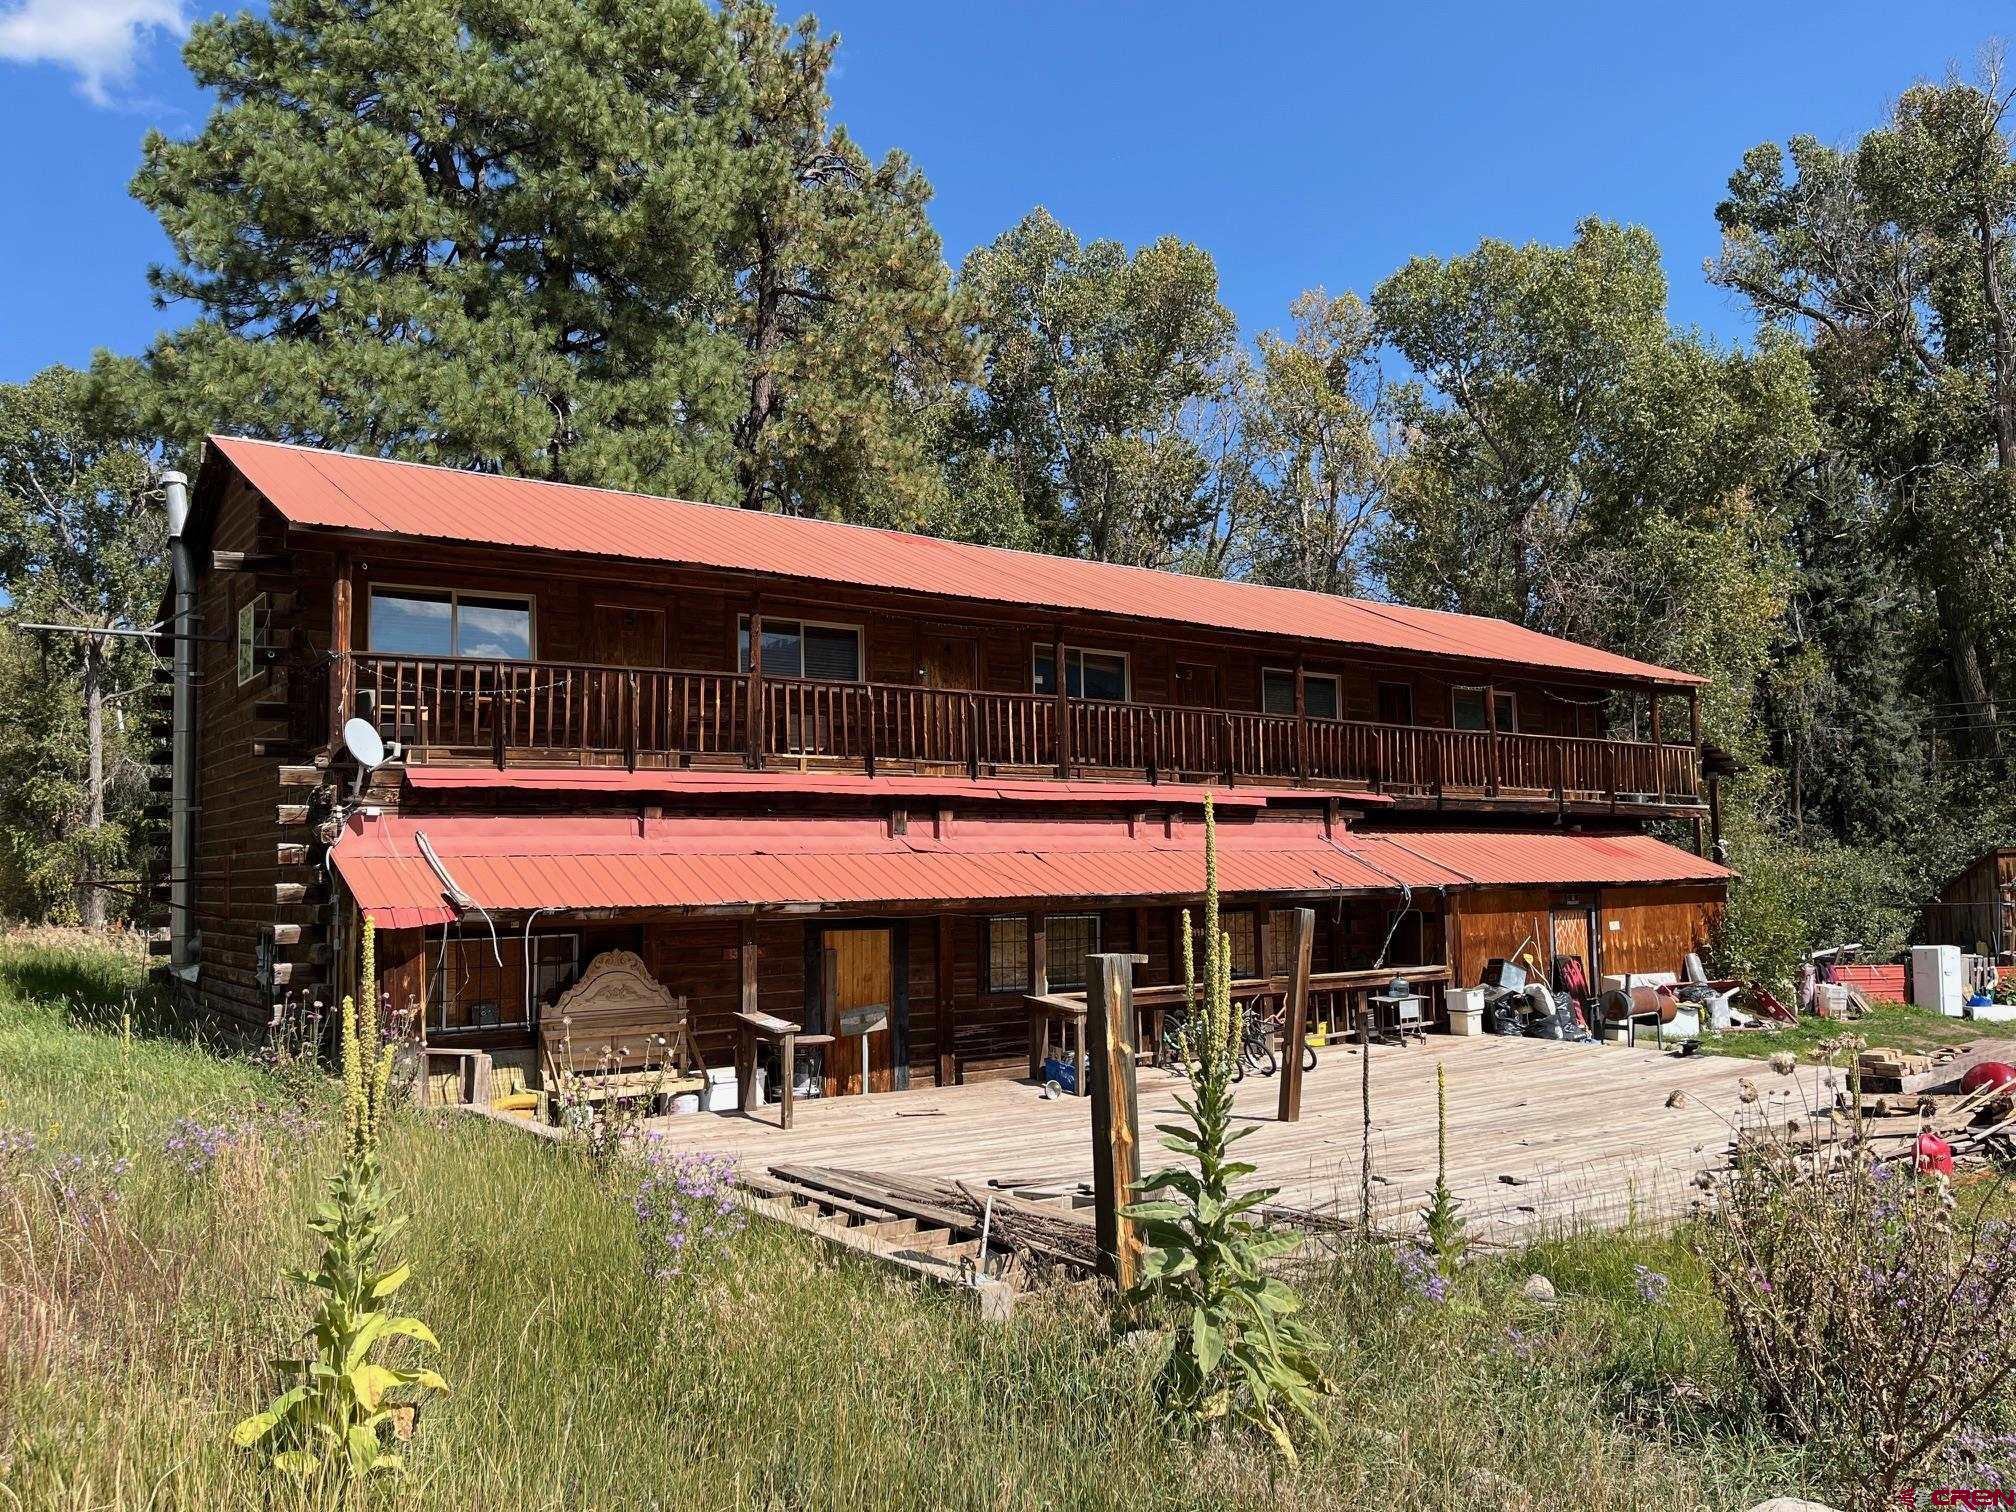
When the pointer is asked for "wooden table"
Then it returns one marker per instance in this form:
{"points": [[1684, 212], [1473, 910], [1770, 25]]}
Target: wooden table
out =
{"points": [[1070, 1014], [787, 1037]]}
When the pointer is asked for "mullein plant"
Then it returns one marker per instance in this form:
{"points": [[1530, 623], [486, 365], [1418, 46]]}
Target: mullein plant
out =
{"points": [[1239, 1352], [1443, 1221], [333, 1420]]}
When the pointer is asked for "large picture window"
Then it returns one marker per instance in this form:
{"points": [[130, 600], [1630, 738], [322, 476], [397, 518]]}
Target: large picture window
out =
{"points": [[468, 989], [804, 648], [1091, 674], [1320, 696], [1466, 710], [426, 622]]}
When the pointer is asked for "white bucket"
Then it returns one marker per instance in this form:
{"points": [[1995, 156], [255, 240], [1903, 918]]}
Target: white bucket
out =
{"points": [[723, 1093]]}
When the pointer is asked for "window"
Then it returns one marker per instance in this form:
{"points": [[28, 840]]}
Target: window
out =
{"points": [[412, 622], [1008, 955], [1281, 949], [468, 989], [1068, 939], [1240, 927], [801, 648], [1466, 710], [1319, 693], [1087, 674], [1396, 703], [251, 638]]}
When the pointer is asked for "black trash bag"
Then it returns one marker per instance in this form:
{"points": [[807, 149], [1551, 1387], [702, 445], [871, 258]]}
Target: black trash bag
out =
{"points": [[1507, 1015]]}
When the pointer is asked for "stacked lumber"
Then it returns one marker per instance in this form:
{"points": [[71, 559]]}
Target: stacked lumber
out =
{"points": [[1891, 1070]]}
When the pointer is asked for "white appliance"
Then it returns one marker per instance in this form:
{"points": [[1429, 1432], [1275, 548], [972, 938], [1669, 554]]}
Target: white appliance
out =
{"points": [[1938, 981]]}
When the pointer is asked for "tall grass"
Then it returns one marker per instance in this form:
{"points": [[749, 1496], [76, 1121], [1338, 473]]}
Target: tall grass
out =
{"points": [[785, 1376]]}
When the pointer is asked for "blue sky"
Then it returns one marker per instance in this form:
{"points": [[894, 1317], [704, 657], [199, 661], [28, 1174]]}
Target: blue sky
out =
{"points": [[1298, 143]]}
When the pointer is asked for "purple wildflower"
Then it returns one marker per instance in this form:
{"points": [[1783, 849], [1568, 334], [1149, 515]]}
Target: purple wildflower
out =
{"points": [[684, 1204], [1419, 1273], [1652, 1286], [195, 1146]]}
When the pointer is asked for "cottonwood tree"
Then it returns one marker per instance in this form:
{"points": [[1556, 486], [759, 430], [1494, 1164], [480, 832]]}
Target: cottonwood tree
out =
{"points": [[1313, 417], [1892, 260], [1101, 367], [1576, 464], [81, 534]]}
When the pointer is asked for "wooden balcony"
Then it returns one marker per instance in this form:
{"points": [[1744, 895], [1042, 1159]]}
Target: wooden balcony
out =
{"points": [[521, 713]]}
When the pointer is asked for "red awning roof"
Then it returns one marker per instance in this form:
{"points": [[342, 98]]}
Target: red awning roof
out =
{"points": [[335, 490], [705, 784], [1554, 859], [512, 865], [516, 864]]}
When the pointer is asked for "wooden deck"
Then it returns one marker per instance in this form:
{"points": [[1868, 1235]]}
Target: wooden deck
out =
{"points": [[1541, 1136]]}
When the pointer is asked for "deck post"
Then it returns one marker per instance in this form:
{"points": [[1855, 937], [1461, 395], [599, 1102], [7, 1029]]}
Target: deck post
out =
{"points": [[1492, 771], [1301, 720], [342, 669], [868, 735], [756, 721], [1116, 1145], [1039, 985], [942, 990], [1658, 749], [1610, 768], [1560, 776], [1063, 706], [972, 736], [630, 695], [497, 743], [1295, 1020]]}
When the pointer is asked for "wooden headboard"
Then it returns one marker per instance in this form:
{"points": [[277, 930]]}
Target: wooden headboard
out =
{"points": [[614, 1015]]}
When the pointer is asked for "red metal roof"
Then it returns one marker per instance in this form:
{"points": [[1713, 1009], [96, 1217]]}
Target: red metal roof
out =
{"points": [[518, 863], [1552, 858], [514, 864], [697, 784], [336, 490]]}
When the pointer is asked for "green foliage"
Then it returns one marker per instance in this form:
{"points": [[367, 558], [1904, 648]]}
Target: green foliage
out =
{"points": [[80, 545], [1081, 438], [1238, 1351], [1443, 1220], [333, 1419], [609, 244], [1578, 465]]}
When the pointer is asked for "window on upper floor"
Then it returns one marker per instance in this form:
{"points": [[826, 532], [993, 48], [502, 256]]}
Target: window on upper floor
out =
{"points": [[429, 622], [1466, 711], [1087, 674], [1321, 695], [805, 648]]}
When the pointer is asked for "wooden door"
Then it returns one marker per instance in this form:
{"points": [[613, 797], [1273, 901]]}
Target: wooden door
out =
{"points": [[860, 969], [1574, 936], [1196, 685], [1396, 703], [626, 635], [949, 662]]}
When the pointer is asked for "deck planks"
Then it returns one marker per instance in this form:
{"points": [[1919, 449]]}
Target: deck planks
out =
{"points": [[1584, 1133]]}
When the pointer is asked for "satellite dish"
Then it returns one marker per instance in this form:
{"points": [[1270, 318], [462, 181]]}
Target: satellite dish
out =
{"points": [[362, 740]]}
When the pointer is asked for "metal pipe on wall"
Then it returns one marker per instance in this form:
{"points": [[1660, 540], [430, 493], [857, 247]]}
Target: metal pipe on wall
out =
{"points": [[182, 728]]}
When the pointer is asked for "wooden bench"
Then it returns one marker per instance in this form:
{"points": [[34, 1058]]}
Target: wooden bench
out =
{"points": [[618, 1033], [750, 1028]]}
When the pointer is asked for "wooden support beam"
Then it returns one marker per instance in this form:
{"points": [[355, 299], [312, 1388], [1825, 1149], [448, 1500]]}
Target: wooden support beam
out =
{"points": [[1039, 984], [1496, 774], [1658, 751], [1301, 718], [948, 1069], [342, 641], [756, 711], [247, 561], [1295, 1025], [1116, 1144], [1063, 706], [749, 955]]}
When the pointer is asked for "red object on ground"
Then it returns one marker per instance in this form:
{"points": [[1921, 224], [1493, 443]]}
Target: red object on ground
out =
{"points": [[1989, 1074], [1935, 1156]]}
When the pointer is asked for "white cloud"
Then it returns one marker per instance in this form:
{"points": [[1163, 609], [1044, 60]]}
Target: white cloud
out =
{"points": [[98, 40]]}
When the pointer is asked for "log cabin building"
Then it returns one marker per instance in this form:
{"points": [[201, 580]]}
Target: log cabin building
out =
{"points": [[803, 767]]}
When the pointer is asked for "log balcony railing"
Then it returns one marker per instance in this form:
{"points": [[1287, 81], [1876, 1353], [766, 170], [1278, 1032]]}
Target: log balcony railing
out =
{"points": [[532, 713]]}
